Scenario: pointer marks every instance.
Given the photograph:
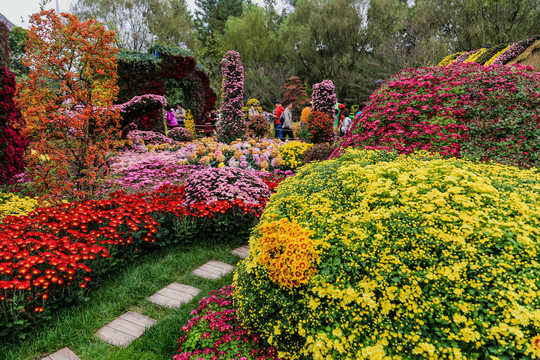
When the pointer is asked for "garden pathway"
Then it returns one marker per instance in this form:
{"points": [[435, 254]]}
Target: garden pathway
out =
{"points": [[63, 354], [213, 270], [124, 329], [174, 295], [131, 325], [242, 251]]}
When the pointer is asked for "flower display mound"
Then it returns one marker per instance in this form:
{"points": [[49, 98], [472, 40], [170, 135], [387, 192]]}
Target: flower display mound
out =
{"points": [[150, 137], [181, 134], [216, 184], [215, 332], [259, 127], [292, 154], [320, 126], [485, 113], [375, 255]]}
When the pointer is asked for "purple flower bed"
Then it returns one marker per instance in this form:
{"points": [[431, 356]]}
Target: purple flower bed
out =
{"points": [[210, 185], [150, 137]]}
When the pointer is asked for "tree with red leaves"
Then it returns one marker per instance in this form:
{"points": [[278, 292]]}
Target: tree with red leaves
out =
{"points": [[295, 92], [67, 102]]}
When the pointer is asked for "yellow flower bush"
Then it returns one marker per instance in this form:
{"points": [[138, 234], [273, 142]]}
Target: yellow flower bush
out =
{"points": [[473, 57], [415, 257], [449, 59], [494, 57], [12, 204], [190, 123], [292, 153]]}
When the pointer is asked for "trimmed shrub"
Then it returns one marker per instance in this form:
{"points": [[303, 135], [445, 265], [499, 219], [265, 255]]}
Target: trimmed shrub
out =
{"points": [[180, 134], [486, 113], [375, 256], [259, 127], [320, 126], [318, 152], [210, 185], [292, 154]]}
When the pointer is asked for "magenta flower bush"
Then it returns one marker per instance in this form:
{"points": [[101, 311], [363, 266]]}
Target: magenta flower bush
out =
{"points": [[215, 333], [324, 97], [210, 185], [180, 134], [488, 113], [12, 143], [232, 125]]}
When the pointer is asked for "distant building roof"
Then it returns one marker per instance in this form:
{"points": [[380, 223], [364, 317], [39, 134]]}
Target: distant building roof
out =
{"points": [[8, 23]]}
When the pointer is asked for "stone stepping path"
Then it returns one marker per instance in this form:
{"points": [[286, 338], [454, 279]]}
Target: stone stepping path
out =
{"points": [[62, 354], [124, 329], [242, 251], [213, 270], [174, 295]]}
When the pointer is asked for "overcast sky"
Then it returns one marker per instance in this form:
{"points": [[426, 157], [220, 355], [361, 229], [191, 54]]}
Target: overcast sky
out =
{"points": [[19, 11]]}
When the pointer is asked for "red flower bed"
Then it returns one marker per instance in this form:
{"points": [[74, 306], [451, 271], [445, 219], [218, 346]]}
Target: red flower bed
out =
{"points": [[52, 255], [482, 112]]}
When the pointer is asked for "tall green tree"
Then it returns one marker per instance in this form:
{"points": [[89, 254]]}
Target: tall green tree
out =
{"points": [[255, 36], [473, 23], [326, 39], [139, 23]]}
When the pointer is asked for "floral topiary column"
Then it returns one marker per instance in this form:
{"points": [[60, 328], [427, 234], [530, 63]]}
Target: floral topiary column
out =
{"points": [[232, 124], [324, 97], [12, 144]]}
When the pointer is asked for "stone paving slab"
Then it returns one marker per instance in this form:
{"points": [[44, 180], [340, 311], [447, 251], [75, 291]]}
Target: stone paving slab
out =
{"points": [[62, 354], [242, 251], [124, 329], [174, 295], [213, 270]]}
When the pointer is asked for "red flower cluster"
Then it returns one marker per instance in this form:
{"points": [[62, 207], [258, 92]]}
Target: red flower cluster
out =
{"points": [[320, 127], [48, 255]]}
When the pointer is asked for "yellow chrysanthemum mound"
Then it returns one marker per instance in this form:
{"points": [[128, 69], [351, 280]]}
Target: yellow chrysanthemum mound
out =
{"points": [[12, 204], [292, 154], [287, 252], [416, 258]]}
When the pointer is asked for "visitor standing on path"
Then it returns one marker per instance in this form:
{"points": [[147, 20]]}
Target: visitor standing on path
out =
{"points": [[180, 114], [277, 115], [287, 130], [345, 123], [305, 113], [253, 111], [171, 118]]}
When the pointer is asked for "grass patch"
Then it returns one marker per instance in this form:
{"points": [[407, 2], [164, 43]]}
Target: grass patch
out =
{"points": [[127, 290]]}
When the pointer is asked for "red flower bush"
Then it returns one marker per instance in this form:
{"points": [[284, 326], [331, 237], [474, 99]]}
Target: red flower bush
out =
{"points": [[485, 113], [320, 127], [55, 253]]}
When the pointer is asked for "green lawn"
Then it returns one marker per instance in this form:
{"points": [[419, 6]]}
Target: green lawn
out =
{"points": [[122, 291]]}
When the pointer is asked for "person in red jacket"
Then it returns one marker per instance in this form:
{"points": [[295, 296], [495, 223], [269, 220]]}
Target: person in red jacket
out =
{"points": [[277, 114]]}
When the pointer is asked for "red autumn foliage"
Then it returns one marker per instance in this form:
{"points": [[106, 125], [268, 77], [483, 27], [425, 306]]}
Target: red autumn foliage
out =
{"points": [[67, 101]]}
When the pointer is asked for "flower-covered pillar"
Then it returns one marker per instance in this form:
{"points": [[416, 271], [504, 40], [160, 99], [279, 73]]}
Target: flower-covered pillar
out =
{"points": [[232, 124], [324, 97]]}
